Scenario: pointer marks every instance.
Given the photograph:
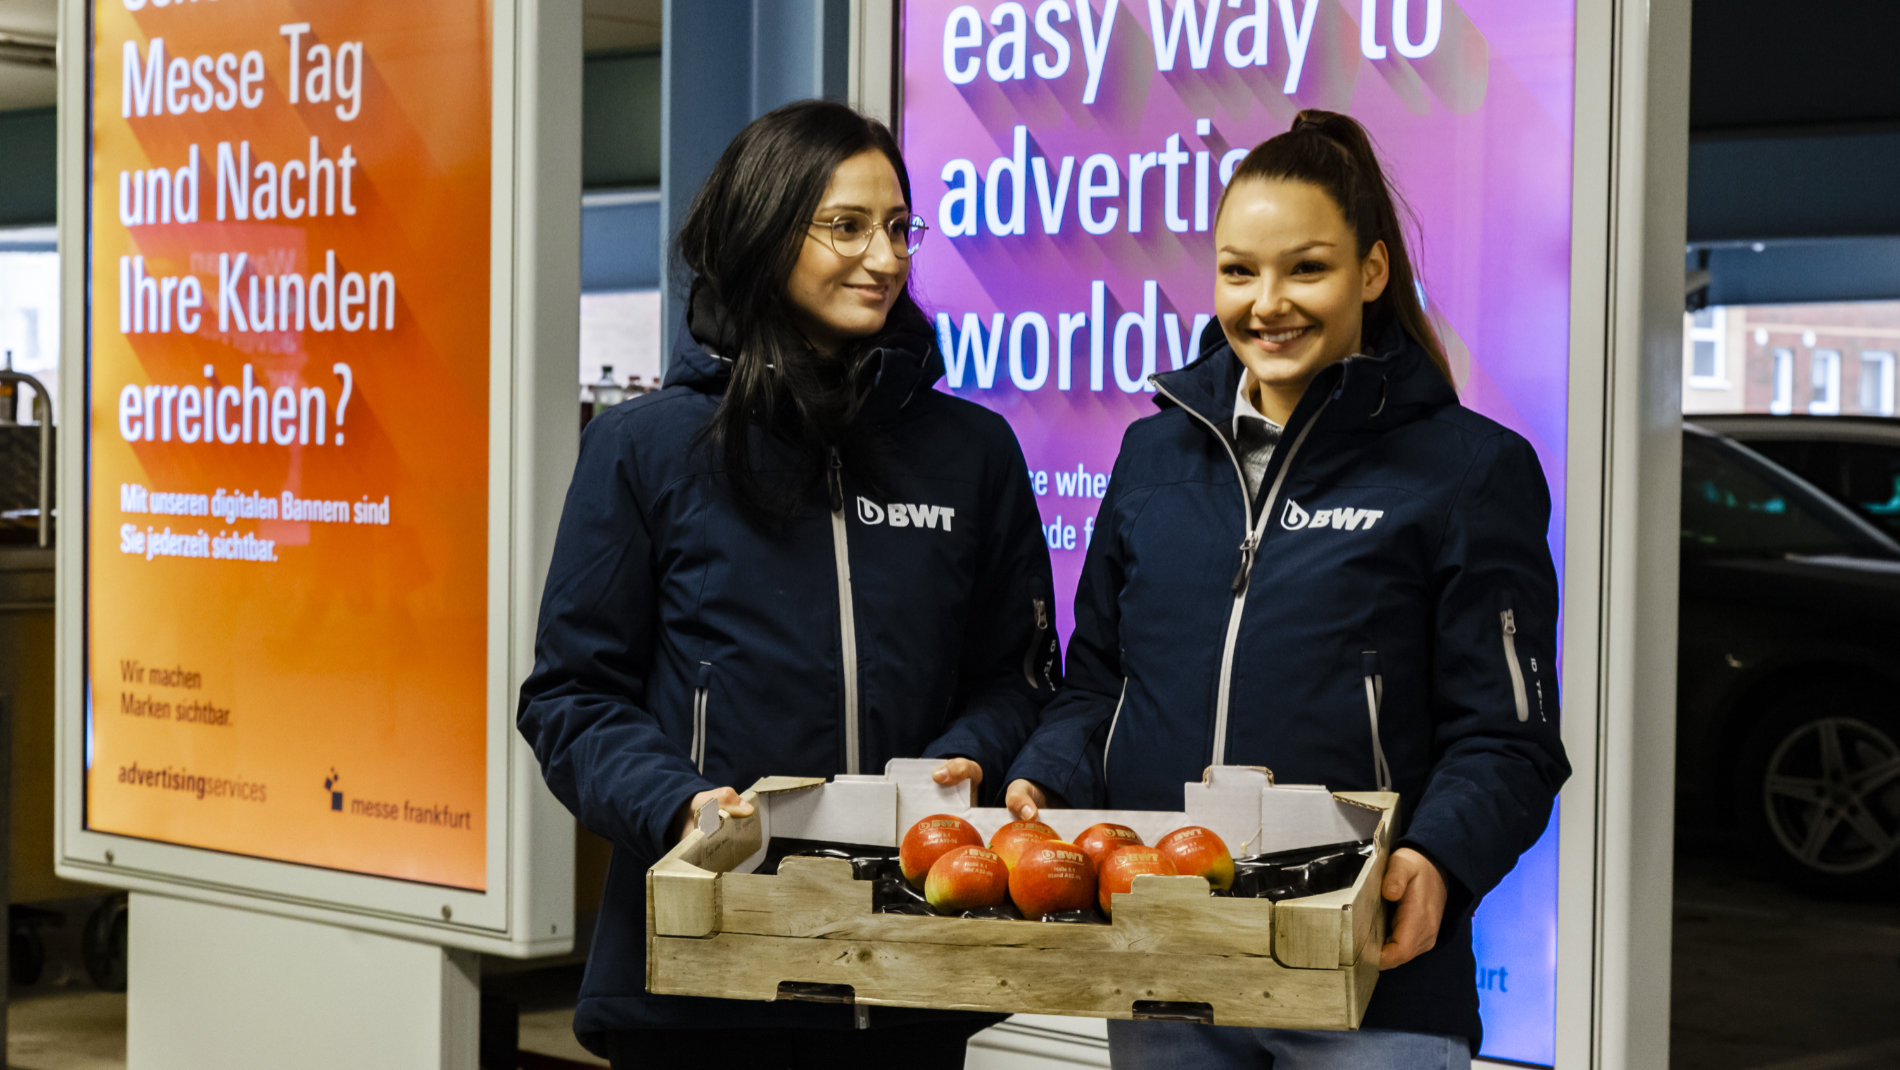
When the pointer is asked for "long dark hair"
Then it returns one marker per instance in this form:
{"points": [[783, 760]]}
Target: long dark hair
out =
{"points": [[1332, 151], [741, 238]]}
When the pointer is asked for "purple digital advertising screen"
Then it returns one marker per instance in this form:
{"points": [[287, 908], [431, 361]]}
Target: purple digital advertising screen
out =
{"points": [[1070, 155]]}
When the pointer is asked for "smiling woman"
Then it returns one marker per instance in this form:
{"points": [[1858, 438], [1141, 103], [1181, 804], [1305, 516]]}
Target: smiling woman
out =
{"points": [[1293, 288], [795, 558], [856, 257], [1312, 259], [1388, 604]]}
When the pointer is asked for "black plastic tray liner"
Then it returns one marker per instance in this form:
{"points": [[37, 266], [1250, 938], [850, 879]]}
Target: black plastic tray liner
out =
{"points": [[1283, 875]]}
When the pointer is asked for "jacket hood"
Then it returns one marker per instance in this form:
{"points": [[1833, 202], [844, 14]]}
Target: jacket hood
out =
{"points": [[1395, 383], [904, 353]]}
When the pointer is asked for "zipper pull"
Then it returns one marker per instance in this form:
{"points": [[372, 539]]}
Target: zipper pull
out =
{"points": [[1247, 547], [834, 480], [1509, 616], [1042, 614]]}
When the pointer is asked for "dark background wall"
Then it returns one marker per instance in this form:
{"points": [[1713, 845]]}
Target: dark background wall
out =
{"points": [[29, 165], [1759, 65]]}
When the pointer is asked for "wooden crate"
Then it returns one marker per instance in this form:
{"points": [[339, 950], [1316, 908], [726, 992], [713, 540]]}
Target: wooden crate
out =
{"points": [[715, 928]]}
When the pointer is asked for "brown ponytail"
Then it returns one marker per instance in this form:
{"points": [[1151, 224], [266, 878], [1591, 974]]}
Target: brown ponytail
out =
{"points": [[1332, 151]]}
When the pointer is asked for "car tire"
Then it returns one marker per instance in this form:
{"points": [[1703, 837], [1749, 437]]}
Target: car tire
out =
{"points": [[1818, 791]]}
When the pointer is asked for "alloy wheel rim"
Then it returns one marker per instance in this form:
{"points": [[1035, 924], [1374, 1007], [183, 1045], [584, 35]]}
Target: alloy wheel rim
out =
{"points": [[1832, 795]]}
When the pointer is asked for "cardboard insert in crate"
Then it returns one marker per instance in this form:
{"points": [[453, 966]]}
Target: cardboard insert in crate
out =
{"points": [[715, 927]]}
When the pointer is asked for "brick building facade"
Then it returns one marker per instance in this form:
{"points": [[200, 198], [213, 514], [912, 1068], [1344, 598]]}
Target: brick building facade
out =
{"points": [[1832, 359]]}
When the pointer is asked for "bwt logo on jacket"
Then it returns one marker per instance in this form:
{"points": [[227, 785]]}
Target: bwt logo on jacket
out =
{"points": [[1347, 519], [904, 514]]}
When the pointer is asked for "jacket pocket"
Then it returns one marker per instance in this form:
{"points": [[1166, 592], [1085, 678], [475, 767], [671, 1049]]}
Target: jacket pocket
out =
{"points": [[1112, 722], [701, 699], [1520, 696], [1374, 679], [1040, 606]]}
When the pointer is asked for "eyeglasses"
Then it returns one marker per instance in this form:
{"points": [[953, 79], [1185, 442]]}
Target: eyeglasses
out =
{"points": [[850, 235]]}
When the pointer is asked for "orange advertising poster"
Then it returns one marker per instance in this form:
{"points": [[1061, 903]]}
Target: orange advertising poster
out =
{"points": [[287, 514]]}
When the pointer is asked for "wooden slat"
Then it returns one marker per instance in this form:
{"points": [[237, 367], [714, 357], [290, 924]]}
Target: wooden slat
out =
{"points": [[1365, 922], [682, 899], [1307, 931], [1360, 979], [1241, 990], [1178, 916], [1329, 930]]}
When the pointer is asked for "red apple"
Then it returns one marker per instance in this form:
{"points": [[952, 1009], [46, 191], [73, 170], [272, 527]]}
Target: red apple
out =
{"points": [[1198, 852], [1010, 840], [1103, 838], [929, 840], [1127, 863], [966, 878], [1051, 875]]}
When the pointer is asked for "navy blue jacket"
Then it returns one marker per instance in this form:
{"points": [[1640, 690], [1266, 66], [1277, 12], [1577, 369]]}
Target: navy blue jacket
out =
{"points": [[680, 649], [1395, 624]]}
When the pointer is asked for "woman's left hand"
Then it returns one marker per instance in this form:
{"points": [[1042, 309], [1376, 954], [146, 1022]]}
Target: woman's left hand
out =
{"points": [[1414, 883], [958, 770]]}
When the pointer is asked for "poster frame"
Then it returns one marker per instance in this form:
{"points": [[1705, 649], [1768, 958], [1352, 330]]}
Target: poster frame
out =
{"points": [[526, 906]]}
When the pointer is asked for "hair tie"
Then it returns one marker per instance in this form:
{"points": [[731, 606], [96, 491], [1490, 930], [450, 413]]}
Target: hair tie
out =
{"points": [[1303, 123]]}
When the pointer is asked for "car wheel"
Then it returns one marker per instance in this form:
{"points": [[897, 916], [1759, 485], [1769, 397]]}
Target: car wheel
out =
{"points": [[1819, 793]]}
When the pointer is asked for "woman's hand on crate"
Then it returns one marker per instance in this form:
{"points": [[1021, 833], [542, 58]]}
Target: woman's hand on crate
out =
{"points": [[956, 771], [729, 801], [1414, 883], [1025, 799]]}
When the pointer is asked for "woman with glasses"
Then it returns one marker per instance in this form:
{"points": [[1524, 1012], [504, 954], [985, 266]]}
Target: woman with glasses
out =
{"points": [[796, 558]]}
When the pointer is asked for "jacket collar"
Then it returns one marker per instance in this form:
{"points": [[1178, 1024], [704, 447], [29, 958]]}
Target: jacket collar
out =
{"points": [[905, 356], [1395, 383]]}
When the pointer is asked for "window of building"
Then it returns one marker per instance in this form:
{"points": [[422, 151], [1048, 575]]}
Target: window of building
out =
{"points": [[29, 311], [1876, 383], [620, 338], [1825, 375], [1783, 402], [1707, 361]]}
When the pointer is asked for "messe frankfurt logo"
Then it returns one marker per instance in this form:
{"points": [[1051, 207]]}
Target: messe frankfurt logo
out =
{"points": [[904, 514], [330, 785], [1345, 519]]}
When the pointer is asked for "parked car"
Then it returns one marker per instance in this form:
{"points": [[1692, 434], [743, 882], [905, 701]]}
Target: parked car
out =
{"points": [[1788, 668], [1855, 459]]}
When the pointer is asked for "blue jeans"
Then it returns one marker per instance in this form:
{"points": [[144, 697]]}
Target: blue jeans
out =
{"points": [[1188, 1046]]}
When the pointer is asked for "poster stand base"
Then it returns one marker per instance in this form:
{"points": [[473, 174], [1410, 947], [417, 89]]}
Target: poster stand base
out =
{"points": [[219, 986]]}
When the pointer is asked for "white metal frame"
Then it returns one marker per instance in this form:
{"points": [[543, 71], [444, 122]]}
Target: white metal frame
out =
{"points": [[1879, 365], [1715, 334], [1782, 403], [1824, 376], [1624, 457], [527, 907], [1616, 842], [873, 80]]}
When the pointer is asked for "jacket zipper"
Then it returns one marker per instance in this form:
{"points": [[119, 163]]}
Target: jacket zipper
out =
{"points": [[1375, 700], [1518, 695], [1242, 578], [1112, 722], [847, 617], [700, 694], [1256, 531]]}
